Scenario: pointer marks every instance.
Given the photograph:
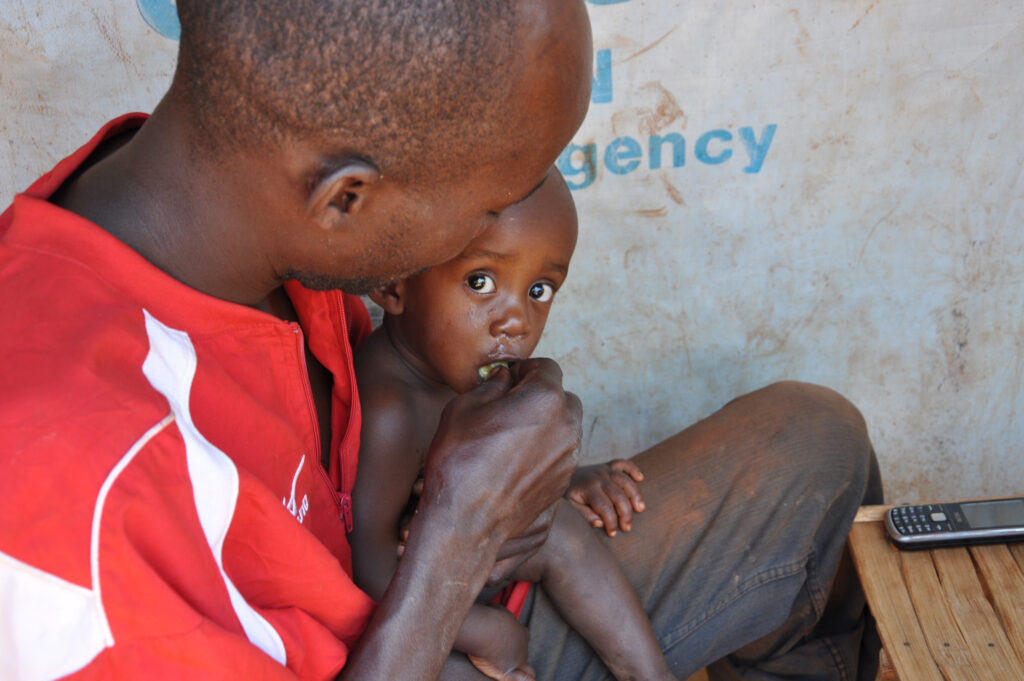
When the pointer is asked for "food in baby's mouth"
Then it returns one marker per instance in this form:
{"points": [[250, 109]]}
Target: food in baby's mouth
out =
{"points": [[486, 370]]}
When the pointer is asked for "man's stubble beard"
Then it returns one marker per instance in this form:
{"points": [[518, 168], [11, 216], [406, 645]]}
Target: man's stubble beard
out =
{"points": [[357, 286]]}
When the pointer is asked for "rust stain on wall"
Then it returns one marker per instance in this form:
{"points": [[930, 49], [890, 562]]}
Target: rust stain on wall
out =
{"points": [[673, 192], [112, 36], [861, 17], [666, 112], [649, 47]]}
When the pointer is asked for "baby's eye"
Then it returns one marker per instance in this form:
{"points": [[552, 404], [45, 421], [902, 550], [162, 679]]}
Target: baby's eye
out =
{"points": [[542, 293], [481, 283]]}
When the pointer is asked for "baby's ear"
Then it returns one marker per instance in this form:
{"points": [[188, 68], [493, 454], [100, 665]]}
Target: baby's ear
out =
{"points": [[391, 297]]}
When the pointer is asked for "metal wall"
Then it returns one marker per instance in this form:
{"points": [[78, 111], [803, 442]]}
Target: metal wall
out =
{"points": [[819, 190]]}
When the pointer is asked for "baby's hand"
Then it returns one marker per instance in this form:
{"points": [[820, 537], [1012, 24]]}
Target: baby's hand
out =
{"points": [[505, 656], [607, 494]]}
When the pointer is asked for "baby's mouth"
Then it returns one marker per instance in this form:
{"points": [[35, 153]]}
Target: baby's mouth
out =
{"points": [[486, 370]]}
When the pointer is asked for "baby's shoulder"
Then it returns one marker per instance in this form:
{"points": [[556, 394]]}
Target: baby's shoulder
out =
{"points": [[382, 379], [395, 409]]}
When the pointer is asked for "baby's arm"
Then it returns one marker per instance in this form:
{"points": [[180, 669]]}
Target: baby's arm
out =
{"points": [[584, 581], [607, 494], [495, 643], [388, 467]]}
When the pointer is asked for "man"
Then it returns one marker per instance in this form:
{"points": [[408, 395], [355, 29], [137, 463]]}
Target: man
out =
{"points": [[179, 420]]}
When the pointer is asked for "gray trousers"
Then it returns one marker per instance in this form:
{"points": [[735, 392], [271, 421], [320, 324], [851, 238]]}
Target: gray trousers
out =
{"points": [[740, 556]]}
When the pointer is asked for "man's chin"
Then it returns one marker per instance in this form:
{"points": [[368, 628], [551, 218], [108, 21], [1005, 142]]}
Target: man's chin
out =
{"points": [[357, 286]]}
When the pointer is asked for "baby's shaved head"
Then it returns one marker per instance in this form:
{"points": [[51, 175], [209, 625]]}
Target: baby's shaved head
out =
{"points": [[388, 79]]}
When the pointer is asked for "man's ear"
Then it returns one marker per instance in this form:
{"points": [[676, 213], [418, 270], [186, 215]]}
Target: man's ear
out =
{"points": [[391, 297], [342, 193]]}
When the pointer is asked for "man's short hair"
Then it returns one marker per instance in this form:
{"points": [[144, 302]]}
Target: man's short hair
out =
{"points": [[393, 79]]}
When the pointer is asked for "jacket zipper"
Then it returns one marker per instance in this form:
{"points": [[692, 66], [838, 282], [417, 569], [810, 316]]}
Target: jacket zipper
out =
{"points": [[342, 502], [342, 333]]}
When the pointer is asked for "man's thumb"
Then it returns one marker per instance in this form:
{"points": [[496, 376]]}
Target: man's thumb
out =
{"points": [[497, 384]]}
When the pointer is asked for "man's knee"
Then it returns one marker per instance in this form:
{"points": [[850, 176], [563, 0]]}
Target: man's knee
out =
{"points": [[817, 428]]}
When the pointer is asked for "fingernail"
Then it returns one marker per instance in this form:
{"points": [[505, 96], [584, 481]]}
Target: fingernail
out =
{"points": [[641, 506], [612, 533], [597, 523]]}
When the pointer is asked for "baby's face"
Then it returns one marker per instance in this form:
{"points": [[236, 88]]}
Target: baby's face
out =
{"points": [[491, 302]]}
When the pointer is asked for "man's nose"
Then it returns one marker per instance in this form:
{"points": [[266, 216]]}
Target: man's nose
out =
{"points": [[510, 318]]}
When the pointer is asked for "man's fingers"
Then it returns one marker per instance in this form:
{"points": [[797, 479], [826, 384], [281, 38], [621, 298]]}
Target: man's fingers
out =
{"points": [[496, 385], [526, 371], [417, 487], [524, 673], [524, 543], [530, 539], [503, 569]]}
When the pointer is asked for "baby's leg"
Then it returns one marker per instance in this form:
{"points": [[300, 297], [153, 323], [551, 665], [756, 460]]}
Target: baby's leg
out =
{"points": [[587, 586]]}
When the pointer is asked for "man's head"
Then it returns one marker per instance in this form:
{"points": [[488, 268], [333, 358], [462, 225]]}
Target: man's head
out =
{"points": [[385, 133], [491, 302]]}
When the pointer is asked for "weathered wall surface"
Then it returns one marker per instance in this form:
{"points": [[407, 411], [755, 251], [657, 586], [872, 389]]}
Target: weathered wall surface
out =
{"points": [[825, 191]]}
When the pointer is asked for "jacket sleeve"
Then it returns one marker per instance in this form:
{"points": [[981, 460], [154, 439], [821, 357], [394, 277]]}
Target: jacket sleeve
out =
{"points": [[191, 570]]}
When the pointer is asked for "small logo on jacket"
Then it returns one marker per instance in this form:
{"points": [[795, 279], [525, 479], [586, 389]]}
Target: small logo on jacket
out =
{"points": [[297, 510]]}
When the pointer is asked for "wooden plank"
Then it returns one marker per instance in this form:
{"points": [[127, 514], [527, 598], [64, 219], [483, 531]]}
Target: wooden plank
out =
{"points": [[878, 566], [886, 672], [1003, 581], [870, 514], [1017, 550], [946, 643], [978, 622]]}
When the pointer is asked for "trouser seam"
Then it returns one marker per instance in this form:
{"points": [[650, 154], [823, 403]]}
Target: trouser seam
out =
{"points": [[837, 658], [819, 598], [754, 582]]}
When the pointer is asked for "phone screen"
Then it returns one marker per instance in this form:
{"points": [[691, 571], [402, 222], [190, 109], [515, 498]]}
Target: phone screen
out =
{"points": [[1004, 513]]}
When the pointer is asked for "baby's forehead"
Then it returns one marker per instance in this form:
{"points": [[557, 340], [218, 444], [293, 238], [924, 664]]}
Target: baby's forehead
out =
{"points": [[550, 207]]}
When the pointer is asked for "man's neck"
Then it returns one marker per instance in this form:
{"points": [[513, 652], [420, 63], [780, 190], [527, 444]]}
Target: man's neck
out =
{"points": [[174, 210]]}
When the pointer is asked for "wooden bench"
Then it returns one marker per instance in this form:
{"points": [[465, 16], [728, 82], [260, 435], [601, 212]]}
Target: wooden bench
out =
{"points": [[947, 614]]}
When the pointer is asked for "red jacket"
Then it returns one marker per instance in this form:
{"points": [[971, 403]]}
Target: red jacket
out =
{"points": [[163, 513]]}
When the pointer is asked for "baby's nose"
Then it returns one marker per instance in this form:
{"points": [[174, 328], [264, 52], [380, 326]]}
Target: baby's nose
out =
{"points": [[510, 320]]}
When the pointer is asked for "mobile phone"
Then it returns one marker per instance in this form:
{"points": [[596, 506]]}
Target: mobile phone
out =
{"points": [[956, 523]]}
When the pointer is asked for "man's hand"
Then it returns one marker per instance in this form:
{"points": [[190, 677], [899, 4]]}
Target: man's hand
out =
{"points": [[503, 453], [607, 494], [518, 549]]}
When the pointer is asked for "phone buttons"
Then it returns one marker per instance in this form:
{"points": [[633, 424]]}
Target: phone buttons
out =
{"points": [[938, 517]]}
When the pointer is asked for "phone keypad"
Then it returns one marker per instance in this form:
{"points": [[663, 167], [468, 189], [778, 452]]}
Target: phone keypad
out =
{"points": [[922, 519]]}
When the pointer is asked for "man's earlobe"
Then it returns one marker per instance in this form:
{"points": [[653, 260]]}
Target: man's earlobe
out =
{"points": [[391, 298], [342, 193]]}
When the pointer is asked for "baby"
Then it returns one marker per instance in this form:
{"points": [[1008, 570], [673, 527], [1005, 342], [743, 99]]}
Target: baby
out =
{"points": [[446, 331]]}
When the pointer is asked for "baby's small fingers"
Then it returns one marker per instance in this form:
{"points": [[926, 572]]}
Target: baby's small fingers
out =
{"points": [[581, 505], [631, 490], [627, 467], [604, 507], [623, 506]]}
